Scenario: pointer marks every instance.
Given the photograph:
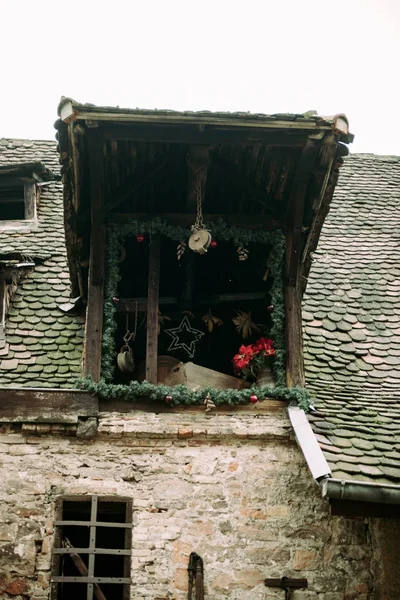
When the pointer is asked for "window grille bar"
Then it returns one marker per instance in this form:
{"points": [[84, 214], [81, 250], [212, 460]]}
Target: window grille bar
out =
{"points": [[92, 545], [93, 524], [116, 580], [91, 551]]}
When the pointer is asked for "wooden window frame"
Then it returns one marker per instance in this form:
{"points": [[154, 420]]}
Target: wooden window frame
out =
{"points": [[58, 550]]}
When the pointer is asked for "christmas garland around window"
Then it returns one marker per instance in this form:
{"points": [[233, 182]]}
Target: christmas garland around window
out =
{"points": [[181, 394]]}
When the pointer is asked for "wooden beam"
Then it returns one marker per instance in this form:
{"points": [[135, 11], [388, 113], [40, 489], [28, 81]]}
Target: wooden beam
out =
{"points": [[95, 301], [253, 221], [202, 134], [133, 185], [230, 170], [294, 223], [129, 304], [198, 160], [45, 405], [152, 310]]}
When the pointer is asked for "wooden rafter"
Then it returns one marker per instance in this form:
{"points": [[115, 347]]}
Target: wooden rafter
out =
{"points": [[132, 186], [202, 134], [265, 222]]}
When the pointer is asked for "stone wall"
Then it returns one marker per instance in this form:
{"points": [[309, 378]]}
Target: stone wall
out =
{"points": [[232, 487]]}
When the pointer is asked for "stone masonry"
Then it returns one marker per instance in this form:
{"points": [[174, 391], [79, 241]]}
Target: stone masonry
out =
{"points": [[232, 487]]}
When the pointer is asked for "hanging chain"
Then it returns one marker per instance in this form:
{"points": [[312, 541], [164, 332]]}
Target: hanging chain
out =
{"points": [[199, 223], [131, 335]]}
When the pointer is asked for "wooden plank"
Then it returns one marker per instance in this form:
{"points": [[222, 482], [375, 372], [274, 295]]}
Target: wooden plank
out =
{"points": [[45, 405], [30, 200], [129, 304], [142, 406], [192, 134], [254, 221], [294, 233], [152, 310], [95, 301], [294, 337]]}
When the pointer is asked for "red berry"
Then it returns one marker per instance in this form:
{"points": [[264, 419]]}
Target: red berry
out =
{"points": [[140, 238], [213, 243], [168, 399], [253, 398]]}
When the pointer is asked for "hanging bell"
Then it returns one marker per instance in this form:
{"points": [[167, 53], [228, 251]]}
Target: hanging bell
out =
{"points": [[125, 361], [200, 240]]}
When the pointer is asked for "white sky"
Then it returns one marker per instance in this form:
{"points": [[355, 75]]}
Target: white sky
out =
{"points": [[260, 56]]}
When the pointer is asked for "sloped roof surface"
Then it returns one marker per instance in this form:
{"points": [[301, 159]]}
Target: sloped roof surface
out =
{"points": [[351, 314], [42, 345]]}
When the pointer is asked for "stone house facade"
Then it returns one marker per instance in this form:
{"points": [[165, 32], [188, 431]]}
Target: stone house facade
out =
{"points": [[258, 491]]}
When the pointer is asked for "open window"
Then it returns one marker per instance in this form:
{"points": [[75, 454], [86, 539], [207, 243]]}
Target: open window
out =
{"points": [[92, 548], [19, 193], [206, 305]]}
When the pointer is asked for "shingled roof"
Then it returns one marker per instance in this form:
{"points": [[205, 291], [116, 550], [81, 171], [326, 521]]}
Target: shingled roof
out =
{"points": [[351, 314], [42, 346]]}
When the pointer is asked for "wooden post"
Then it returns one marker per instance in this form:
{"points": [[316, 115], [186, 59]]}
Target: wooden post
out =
{"points": [[294, 224], [152, 310], [95, 301]]}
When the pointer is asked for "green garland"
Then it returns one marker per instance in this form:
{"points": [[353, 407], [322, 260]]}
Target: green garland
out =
{"points": [[220, 231], [180, 394]]}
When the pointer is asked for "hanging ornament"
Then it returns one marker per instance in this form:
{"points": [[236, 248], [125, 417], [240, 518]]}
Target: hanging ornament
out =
{"points": [[200, 240], [208, 403], [140, 238], [125, 361], [270, 308], [184, 337], [180, 250], [244, 324], [253, 399], [213, 243], [168, 399], [243, 253], [210, 320]]}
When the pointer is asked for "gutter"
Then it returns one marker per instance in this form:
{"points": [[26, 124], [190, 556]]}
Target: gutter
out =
{"points": [[338, 489]]}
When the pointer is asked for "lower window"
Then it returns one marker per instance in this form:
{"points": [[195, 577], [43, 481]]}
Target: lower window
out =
{"points": [[92, 549]]}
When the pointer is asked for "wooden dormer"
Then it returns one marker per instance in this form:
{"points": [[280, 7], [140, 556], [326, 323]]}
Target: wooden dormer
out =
{"points": [[275, 172]]}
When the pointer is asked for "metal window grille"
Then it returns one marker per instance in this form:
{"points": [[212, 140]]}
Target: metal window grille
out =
{"points": [[92, 548]]}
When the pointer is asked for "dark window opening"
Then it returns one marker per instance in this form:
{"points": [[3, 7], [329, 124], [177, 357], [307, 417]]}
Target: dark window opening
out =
{"points": [[12, 203], [91, 555], [216, 281]]}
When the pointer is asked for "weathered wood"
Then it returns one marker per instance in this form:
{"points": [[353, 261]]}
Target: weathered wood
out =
{"points": [[30, 200], [132, 186], [268, 405], [295, 208], [255, 221], [45, 405], [294, 233], [129, 304], [94, 313], [192, 134], [294, 337], [196, 377], [152, 310]]}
